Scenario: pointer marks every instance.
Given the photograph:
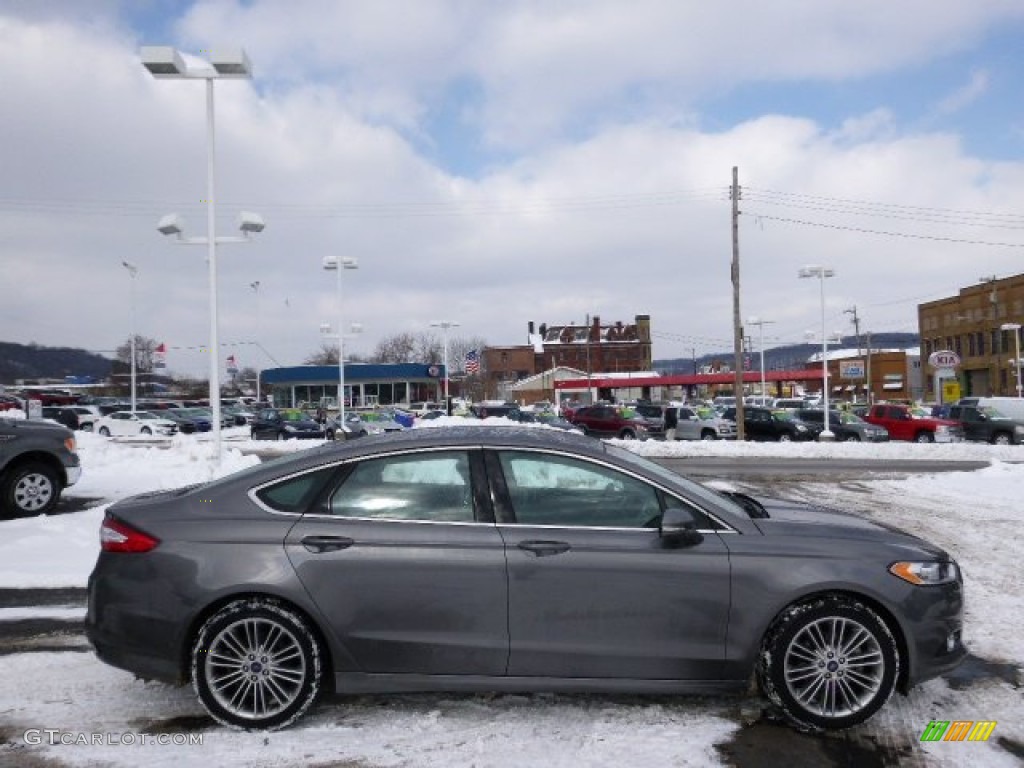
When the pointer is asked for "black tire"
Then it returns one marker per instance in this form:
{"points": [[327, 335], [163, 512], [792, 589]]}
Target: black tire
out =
{"points": [[785, 437], [104, 431], [853, 437], [924, 437], [146, 431], [708, 434], [808, 670], [1002, 438], [87, 427], [29, 489], [627, 434], [256, 665]]}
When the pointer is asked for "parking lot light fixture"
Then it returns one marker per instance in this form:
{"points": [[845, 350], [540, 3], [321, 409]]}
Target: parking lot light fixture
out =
{"points": [[164, 62], [760, 323], [1015, 327], [133, 271], [444, 325], [820, 272], [339, 265]]}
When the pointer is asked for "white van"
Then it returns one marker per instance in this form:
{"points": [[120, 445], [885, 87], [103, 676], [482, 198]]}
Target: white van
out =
{"points": [[1011, 407]]}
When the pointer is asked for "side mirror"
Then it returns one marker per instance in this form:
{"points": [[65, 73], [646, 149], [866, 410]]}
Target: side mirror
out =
{"points": [[679, 528]]}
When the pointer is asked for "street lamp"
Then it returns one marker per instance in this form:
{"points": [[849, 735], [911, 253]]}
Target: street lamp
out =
{"points": [[340, 265], [1015, 327], [164, 62], [133, 271], [444, 325], [760, 328], [814, 270], [255, 285]]}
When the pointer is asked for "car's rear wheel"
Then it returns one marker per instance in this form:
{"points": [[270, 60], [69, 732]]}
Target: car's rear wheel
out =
{"points": [[829, 663], [31, 489], [256, 665], [104, 431], [924, 437]]}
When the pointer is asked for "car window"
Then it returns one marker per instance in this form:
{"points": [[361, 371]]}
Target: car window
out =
{"points": [[558, 490], [295, 493], [433, 486]]}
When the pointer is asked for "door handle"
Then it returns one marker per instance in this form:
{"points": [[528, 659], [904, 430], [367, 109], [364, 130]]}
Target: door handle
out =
{"points": [[320, 544], [544, 548]]}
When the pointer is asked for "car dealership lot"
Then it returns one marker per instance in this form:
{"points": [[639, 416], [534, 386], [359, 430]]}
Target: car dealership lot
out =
{"points": [[972, 514]]}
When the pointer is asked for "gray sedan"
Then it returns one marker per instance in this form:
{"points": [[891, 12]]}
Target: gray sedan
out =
{"points": [[511, 559]]}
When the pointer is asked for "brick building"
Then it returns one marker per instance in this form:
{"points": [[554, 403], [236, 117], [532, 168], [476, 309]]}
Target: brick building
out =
{"points": [[613, 348], [971, 324]]}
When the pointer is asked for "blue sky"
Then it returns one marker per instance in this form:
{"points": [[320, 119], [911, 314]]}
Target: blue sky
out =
{"points": [[496, 164]]}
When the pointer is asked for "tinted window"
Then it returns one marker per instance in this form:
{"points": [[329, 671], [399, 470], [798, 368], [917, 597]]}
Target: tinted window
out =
{"points": [[432, 486], [296, 493], [557, 490]]}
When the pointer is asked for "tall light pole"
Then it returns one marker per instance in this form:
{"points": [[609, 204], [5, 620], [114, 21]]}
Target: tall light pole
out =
{"points": [[133, 271], [255, 285], [163, 61], [760, 333], [1015, 327], [444, 325], [814, 270], [340, 265]]}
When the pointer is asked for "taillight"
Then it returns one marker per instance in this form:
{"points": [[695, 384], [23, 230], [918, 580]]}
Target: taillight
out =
{"points": [[118, 536]]}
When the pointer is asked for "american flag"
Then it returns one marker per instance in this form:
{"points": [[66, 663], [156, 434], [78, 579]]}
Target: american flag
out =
{"points": [[472, 362]]}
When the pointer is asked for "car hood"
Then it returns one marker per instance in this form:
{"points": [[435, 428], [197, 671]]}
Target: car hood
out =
{"points": [[787, 518]]}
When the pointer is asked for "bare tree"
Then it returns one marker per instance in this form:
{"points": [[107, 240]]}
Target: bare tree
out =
{"points": [[399, 348], [144, 349], [326, 355]]}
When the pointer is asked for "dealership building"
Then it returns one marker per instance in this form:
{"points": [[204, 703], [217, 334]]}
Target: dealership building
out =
{"points": [[366, 384]]}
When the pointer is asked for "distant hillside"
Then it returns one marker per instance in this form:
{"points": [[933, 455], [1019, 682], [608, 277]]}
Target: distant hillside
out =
{"points": [[790, 357], [32, 361]]}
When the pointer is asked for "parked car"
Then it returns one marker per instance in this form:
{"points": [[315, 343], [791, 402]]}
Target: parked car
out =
{"points": [[287, 424], [363, 424], [11, 403], [846, 426], [128, 424], [906, 422], [189, 420], [778, 424], [61, 415], [703, 425], [487, 410], [605, 420], [318, 572], [988, 424], [1012, 407], [37, 462]]}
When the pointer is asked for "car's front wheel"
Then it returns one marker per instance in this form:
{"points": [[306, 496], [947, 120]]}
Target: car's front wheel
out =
{"points": [[1002, 438], [146, 431], [256, 665], [104, 431], [785, 437], [708, 434], [31, 489], [829, 663], [924, 437]]}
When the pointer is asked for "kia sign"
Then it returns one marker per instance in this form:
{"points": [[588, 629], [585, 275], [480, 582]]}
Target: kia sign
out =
{"points": [[944, 359]]}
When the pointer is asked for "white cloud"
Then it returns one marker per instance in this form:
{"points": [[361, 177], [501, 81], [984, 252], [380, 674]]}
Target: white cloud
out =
{"points": [[966, 95]]}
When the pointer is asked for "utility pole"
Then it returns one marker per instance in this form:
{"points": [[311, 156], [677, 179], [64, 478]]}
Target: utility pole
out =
{"points": [[737, 326], [856, 327], [871, 392]]}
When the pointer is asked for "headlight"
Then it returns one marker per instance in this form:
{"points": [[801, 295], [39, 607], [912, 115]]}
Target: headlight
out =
{"points": [[289, 428], [925, 574], [800, 428], [942, 428]]}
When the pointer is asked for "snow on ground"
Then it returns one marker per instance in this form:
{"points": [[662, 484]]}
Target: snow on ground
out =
{"points": [[973, 514]]}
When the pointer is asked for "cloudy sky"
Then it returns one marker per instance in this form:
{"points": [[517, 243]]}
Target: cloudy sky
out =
{"points": [[497, 163]]}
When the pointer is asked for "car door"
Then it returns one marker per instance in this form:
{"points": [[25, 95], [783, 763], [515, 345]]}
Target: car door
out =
{"points": [[593, 592], [403, 559], [267, 422], [688, 427]]}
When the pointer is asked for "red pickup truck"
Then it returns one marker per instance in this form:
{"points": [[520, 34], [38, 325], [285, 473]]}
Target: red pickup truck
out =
{"points": [[907, 422]]}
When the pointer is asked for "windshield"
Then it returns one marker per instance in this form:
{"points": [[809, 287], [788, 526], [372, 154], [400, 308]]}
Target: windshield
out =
{"points": [[993, 413], [784, 415]]}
